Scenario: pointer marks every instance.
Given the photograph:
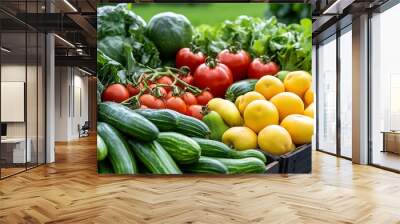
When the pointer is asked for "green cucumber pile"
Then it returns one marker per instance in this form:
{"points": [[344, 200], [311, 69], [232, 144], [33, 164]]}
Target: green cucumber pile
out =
{"points": [[163, 141]]}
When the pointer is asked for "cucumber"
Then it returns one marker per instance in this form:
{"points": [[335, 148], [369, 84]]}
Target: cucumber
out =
{"points": [[245, 165], [104, 167], [154, 157], [216, 124], [213, 148], [168, 120], [191, 126], [119, 154], [127, 121], [164, 119], [249, 153], [240, 88], [101, 149], [205, 165], [183, 150]]}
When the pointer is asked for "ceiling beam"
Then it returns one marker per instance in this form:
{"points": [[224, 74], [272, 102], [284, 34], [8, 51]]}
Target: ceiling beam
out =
{"points": [[90, 31], [78, 61]]}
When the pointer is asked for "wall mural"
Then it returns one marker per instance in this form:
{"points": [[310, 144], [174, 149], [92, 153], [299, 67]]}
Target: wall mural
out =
{"points": [[206, 88]]}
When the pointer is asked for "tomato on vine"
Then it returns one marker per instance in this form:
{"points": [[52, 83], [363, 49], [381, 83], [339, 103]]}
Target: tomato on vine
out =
{"points": [[195, 111], [165, 80], [204, 97], [189, 98], [151, 101], [158, 91], [189, 58], [262, 66], [133, 90], [215, 76], [176, 103], [116, 93], [237, 61]]}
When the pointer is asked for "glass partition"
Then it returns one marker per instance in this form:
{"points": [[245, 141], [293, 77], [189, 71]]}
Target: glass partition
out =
{"points": [[385, 89], [346, 92], [41, 97], [14, 145], [326, 96], [22, 77], [32, 97]]}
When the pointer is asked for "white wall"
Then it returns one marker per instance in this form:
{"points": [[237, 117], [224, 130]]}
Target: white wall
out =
{"points": [[71, 94]]}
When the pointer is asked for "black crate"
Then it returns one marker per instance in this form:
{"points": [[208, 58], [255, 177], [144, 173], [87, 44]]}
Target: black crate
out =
{"points": [[298, 161], [272, 167]]}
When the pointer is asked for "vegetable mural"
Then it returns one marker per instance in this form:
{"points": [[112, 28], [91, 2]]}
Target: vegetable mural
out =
{"points": [[232, 98]]}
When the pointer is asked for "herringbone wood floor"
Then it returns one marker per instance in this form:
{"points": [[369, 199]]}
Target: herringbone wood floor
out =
{"points": [[70, 191]]}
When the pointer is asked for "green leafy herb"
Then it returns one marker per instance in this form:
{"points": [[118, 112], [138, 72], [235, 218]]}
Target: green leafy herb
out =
{"points": [[288, 45]]}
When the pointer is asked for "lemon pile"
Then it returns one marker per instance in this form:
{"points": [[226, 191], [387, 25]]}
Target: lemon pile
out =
{"points": [[276, 115]]}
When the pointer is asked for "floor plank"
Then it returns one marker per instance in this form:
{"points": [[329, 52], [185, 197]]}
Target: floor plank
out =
{"points": [[70, 191]]}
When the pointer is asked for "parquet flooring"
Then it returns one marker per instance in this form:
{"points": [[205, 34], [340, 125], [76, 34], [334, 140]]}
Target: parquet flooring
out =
{"points": [[70, 191]]}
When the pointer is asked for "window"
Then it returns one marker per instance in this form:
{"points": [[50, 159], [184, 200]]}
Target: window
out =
{"points": [[385, 89], [326, 96], [346, 92]]}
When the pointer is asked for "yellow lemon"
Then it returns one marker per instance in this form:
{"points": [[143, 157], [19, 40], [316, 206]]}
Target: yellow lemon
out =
{"points": [[288, 103], [214, 103], [259, 114], [269, 86], [241, 138], [297, 82], [309, 96], [275, 139], [228, 111], [300, 128], [237, 101], [248, 98], [309, 111]]}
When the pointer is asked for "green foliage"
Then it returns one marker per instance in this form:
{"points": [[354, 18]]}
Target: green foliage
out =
{"points": [[125, 50], [109, 70], [123, 47], [202, 13], [289, 45], [118, 21], [288, 13]]}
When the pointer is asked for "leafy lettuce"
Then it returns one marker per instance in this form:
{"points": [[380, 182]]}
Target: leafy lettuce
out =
{"points": [[288, 45]]}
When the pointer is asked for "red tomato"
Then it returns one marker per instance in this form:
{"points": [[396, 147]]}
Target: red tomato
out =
{"points": [[204, 97], [237, 62], [177, 104], [116, 93], [169, 95], [133, 90], [185, 57], [165, 80], [144, 107], [258, 68], [163, 92], [186, 78], [189, 98], [146, 76], [216, 78], [151, 101], [195, 111]]}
